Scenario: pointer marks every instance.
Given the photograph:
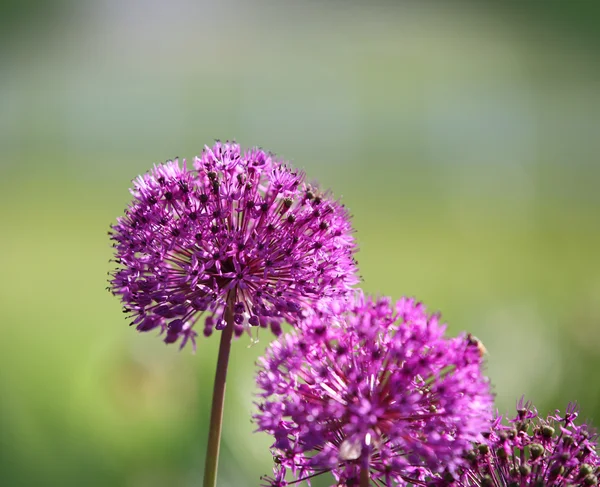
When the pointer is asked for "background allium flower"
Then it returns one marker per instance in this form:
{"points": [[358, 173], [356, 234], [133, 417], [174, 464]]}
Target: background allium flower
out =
{"points": [[375, 386], [240, 228], [531, 451]]}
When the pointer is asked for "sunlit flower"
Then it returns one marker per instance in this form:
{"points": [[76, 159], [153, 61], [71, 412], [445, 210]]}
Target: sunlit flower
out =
{"points": [[531, 451], [374, 387], [242, 230]]}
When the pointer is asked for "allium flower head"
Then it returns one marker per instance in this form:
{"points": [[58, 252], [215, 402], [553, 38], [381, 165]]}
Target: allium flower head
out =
{"points": [[240, 229], [375, 386], [531, 451]]}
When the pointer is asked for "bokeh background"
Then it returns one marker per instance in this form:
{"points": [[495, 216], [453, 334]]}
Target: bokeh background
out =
{"points": [[464, 137]]}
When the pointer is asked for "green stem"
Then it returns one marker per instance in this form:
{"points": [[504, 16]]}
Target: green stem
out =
{"points": [[216, 413], [365, 476]]}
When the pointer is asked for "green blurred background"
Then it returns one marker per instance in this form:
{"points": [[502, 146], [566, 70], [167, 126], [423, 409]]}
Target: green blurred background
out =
{"points": [[463, 136]]}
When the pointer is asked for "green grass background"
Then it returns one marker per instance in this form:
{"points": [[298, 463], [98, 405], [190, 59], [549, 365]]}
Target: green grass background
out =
{"points": [[463, 138]]}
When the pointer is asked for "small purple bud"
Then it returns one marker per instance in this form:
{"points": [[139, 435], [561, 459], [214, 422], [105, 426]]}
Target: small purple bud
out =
{"points": [[175, 326], [164, 310], [149, 323], [275, 328], [147, 286], [179, 310], [171, 337], [143, 299], [200, 304], [159, 297], [177, 298]]}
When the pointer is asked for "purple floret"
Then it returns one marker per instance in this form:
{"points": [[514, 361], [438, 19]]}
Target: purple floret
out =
{"points": [[374, 386], [531, 451], [239, 228]]}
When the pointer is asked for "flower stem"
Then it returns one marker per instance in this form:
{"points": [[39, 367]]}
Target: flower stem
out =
{"points": [[365, 477], [216, 413]]}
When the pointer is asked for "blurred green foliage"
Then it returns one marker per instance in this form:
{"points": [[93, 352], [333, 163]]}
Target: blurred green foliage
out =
{"points": [[465, 145]]}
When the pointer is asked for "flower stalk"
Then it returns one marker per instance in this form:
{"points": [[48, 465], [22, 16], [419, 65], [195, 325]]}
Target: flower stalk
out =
{"points": [[218, 400], [365, 476]]}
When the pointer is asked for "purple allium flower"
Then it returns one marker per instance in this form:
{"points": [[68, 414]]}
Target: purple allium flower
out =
{"points": [[240, 229], [374, 386], [531, 452]]}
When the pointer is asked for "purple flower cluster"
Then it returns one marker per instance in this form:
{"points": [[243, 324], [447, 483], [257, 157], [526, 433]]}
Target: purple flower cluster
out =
{"points": [[374, 386], [531, 451], [241, 230], [367, 390]]}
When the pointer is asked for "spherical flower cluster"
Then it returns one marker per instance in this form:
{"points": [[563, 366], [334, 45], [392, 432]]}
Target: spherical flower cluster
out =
{"points": [[531, 452], [241, 231], [374, 388]]}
